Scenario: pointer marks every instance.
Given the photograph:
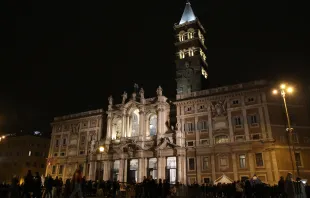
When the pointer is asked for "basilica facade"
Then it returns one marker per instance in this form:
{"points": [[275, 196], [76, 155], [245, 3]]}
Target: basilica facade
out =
{"points": [[231, 132]]}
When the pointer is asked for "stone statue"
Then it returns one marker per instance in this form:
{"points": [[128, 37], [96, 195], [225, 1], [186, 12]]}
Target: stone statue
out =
{"points": [[118, 135], [110, 99], [219, 109], [75, 128], [159, 91], [92, 146], [141, 93], [124, 96], [134, 95]]}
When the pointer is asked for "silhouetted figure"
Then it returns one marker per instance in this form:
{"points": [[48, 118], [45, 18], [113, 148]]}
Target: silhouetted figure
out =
{"points": [[28, 184], [77, 181]]}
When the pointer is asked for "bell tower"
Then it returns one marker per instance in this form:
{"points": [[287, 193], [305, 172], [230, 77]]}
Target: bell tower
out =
{"points": [[191, 64]]}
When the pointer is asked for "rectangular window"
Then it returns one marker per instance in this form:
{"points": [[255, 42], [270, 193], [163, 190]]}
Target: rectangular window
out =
{"points": [[53, 169], [237, 121], [64, 142], [205, 142], [235, 102], [83, 138], [190, 143], [242, 161], [202, 125], [61, 168], [205, 163], [253, 120], [57, 143], [206, 180], [55, 154], [82, 152], [256, 136], [251, 99], [191, 164], [298, 159], [259, 159], [62, 154], [239, 138], [189, 127]]}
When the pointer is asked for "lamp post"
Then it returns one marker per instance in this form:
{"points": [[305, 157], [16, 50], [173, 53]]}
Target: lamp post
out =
{"points": [[101, 150], [284, 89]]}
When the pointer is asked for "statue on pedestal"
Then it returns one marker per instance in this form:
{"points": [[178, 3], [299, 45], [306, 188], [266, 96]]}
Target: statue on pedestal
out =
{"points": [[159, 91], [219, 109], [124, 97], [141, 92], [92, 145]]}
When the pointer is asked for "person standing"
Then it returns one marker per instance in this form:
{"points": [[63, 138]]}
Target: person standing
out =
{"points": [[77, 181]]}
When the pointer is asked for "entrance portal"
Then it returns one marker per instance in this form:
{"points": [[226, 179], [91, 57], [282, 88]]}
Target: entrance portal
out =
{"points": [[133, 170], [152, 168], [171, 170]]}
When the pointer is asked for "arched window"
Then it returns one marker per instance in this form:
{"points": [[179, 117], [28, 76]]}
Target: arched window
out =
{"points": [[181, 36], [221, 139], [135, 123], [191, 33], [201, 37], [190, 52], [182, 54], [153, 125]]}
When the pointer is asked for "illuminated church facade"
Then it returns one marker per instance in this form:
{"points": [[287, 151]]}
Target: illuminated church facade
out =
{"points": [[236, 131]]}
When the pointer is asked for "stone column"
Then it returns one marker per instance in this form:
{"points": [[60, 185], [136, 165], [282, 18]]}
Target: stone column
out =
{"points": [[91, 174], [251, 164], [268, 167], [246, 125], [262, 122], [275, 166], [125, 170], [245, 120], [210, 127], [185, 170], [267, 116], [196, 131], [179, 168], [234, 163], [106, 170], [140, 170], [121, 170], [84, 168], [127, 126], [231, 131], [108, 136], [123, 126], [198, 166], [213, 167], [182, 125], [161, 168], [159, 123]]}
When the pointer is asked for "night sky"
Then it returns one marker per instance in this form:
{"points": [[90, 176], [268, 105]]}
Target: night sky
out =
{"points": [[61, 57]]}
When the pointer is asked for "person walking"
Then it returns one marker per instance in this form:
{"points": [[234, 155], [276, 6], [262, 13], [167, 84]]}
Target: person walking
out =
{"points": [[77, 181]]}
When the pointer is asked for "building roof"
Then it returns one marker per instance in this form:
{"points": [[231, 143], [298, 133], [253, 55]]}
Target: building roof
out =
{"points": [[188, 14]]}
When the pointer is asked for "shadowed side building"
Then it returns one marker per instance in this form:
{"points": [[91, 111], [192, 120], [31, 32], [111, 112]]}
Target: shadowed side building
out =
{"points": [[73, 138], [21, 153]]}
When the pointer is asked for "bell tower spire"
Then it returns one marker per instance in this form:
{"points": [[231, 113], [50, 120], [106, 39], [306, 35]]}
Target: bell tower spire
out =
{"points": [[191, 63]]}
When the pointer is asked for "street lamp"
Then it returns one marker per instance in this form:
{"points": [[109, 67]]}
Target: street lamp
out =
{"points": [[284, 89]]}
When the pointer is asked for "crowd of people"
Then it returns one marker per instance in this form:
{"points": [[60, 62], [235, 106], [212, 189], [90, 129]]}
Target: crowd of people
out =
{"points": [[34, 187]]}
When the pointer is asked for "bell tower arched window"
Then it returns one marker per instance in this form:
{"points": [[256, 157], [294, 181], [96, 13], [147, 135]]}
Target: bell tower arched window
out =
{"points": [[135, 123], [181, 36], [182, 54], [191, 33], [153, 125], [190, 52]]}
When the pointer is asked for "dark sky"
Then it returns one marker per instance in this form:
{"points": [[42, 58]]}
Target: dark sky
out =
{"points": [[61, 57]]}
